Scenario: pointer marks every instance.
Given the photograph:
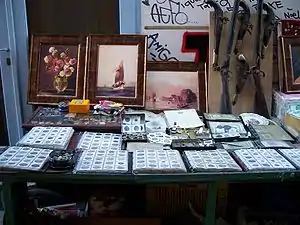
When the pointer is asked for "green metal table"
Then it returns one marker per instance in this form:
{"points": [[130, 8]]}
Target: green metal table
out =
{"points": [[14, 185]]}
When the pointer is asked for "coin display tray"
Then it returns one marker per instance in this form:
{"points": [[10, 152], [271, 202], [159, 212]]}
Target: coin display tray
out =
{"points": [[262, 159], [227, 130], [102, 161], [160, 138], [293, 155], [221, 117], [270, 132], [157, 161], [134, 123], [236, 145], [273, 144], [213, 160], [48, 137], [134, 137], [193, 144], [101, 141], [25, 158]]}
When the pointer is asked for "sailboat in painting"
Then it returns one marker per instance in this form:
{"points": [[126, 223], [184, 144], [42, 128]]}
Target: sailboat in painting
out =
{"points": [[119, 77]]}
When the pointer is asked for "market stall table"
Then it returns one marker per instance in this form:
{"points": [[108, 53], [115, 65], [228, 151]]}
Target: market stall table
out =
{"points": [[14, 185]]}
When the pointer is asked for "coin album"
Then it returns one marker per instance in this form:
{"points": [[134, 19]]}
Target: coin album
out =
{"points": [[102, 161], [157, 161], [133, 123], [274, 144], [262, 159], [213, 160], [270, 132], [25, 158], [48, 137], [100, 141]]}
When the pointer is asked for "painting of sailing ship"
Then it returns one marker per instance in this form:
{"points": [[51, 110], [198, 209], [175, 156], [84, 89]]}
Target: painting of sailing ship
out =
{"points": [[172, 90], [117, 71]]}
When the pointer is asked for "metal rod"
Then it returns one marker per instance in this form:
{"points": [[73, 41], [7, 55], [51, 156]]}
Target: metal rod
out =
{"points": [[176, 27]]}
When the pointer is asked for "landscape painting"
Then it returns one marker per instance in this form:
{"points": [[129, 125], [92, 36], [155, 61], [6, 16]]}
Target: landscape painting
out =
{"points": [[172, 90], [117, 71]]}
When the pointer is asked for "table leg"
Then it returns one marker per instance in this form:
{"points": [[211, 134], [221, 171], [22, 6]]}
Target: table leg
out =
{"points": [[211, 202], [14, 197]]}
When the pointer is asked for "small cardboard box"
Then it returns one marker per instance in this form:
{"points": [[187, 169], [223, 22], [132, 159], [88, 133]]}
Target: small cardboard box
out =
{"points": [[79, 106]]}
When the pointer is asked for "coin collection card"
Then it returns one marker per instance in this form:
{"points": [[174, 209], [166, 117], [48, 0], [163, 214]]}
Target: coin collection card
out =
{"points": [[102, 161], [293, 155], [134, 123], [48, 137], [157, 161], [221, 117], [213, 160], [103, 141], [262, 159], [25, 158], [271, 132]]}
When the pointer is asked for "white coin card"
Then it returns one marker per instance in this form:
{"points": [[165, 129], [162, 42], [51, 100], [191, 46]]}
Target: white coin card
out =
{"points": [[102, 161], [157, 161], [212, 160], [133, 123], [160, 138], [262, 159], [25, 158], [100, 141], [48, 137], [293, 155]]}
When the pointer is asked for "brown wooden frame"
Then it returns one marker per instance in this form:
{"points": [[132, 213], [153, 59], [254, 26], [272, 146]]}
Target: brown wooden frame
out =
{"points": [[92, 69], [186, 67], [289, 85], [36, 41]]}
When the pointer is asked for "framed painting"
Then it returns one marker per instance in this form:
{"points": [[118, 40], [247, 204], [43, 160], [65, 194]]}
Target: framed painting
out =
{"points": [[117, 69], [56, 69], [176, 85], [291, 64]]}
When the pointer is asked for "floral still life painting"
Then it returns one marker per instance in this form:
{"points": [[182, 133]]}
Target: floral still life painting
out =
{"points": [[58, 69], [117, 71], [172, 90]]}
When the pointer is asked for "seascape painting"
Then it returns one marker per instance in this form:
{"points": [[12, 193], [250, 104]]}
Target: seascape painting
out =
{"points": [[117, 71], [295, 51], [172, 90], [58, 70]]}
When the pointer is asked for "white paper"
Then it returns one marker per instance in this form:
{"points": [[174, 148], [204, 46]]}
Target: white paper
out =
{"points": [[187, 118]]}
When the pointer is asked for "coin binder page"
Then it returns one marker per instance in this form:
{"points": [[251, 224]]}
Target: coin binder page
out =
{"points": [[25, 158], [262, 159], [48, 137], [100, 141], [211, 160], [157, 161], [293, 155], [102, 161]]}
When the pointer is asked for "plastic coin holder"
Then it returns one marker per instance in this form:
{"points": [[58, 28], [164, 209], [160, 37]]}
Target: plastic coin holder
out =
{"points": [[262, 159], [292, 155], [133, 123], [159, 138], [103, 141], [157, 161], [213, 160], [102, 161], [26, 158], [48, 137]]}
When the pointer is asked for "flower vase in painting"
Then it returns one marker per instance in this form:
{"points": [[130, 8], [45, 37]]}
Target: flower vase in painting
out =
{"points": [[59, 64]]}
